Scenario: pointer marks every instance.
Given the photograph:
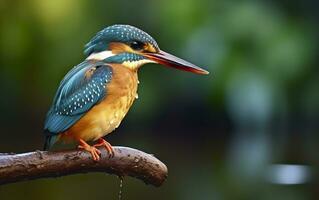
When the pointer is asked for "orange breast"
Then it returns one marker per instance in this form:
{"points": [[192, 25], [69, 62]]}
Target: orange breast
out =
{"points": [[106, 116]]}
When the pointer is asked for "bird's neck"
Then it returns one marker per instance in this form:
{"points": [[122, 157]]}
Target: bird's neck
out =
{"points": [[131, 61], [100, 55]]}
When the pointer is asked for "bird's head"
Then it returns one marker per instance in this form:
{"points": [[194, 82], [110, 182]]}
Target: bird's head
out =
{"points": [[132, 47]]}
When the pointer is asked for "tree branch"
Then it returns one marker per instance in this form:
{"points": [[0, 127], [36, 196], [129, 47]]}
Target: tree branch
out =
{"points": [[43, 164]]}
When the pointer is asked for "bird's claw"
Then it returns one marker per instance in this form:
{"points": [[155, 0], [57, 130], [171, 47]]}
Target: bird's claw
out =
{"points": [[107, 145], [93, 151]]}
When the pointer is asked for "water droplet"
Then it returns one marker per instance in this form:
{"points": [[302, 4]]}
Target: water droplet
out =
{"points": [[136, 96], [121, 187]]}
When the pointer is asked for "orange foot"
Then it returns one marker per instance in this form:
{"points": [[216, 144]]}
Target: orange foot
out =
{"points": [[94, 151], [108, 146]]}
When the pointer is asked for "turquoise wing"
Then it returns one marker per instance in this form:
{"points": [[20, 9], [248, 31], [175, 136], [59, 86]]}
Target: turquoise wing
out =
{"points": [[81, 89]]}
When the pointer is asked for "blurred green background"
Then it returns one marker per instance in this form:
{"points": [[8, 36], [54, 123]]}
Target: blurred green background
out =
{"points": [[249, 130]]}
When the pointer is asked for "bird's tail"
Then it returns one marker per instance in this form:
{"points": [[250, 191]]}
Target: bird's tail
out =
{"points": [[46, 143], [49, 141]]}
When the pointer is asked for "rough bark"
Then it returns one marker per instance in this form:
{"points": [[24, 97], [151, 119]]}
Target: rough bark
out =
{"points": [[43, 164]]}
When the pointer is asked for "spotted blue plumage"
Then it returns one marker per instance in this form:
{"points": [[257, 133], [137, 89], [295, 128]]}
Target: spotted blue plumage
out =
{"points": [[82, 88], [117, 33]]}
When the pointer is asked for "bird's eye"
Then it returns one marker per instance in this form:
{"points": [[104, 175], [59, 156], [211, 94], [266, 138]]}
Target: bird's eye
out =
{"points": [[136, 45]]}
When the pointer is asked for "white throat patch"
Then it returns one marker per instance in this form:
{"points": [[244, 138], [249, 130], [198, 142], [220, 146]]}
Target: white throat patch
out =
{"points": [[100, 55], [136, 64], [129, 64]]}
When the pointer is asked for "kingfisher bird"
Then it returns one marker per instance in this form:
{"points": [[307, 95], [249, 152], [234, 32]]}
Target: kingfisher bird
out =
{"points": [[95, 95]]}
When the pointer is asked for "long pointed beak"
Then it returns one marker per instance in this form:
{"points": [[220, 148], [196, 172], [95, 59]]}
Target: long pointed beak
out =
{"points": [[167, 59]]}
